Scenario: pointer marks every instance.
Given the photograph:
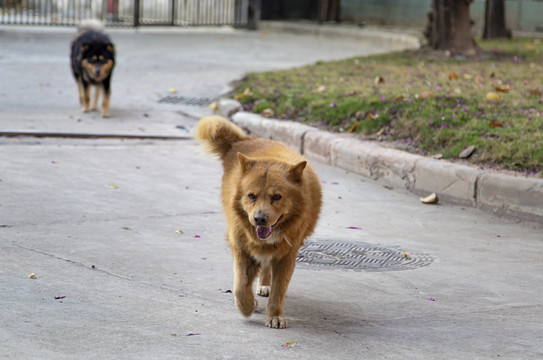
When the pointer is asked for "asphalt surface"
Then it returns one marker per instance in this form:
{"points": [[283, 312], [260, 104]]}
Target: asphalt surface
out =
{"points": [[126, 237]]}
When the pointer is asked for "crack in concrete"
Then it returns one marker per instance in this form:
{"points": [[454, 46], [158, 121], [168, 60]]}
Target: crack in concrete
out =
{"points": [[95, 268], [104, 220]]}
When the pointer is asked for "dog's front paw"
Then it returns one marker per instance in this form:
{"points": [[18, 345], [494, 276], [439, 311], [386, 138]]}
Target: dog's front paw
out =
{"points": [[263, 290], [276, 322], [246, 305]]}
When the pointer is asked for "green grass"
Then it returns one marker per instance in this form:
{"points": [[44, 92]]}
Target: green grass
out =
{"points": [[435, 104]]}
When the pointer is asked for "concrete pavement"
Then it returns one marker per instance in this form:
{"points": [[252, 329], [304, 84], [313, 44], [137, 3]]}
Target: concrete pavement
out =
{"points": [[97, 221]]}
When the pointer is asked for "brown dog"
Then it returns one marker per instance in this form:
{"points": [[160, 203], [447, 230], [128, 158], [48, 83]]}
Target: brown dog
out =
{"points": [[272, 199]]}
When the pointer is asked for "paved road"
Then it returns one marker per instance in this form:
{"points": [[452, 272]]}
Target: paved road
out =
{"points": [[96, 221]]}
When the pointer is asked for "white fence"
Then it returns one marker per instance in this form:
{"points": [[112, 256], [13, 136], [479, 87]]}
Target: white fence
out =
{"points": [[125, 12]]}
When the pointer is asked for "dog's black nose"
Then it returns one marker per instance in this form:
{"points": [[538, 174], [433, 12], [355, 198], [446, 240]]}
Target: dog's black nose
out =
{"points": [[261, 219]]}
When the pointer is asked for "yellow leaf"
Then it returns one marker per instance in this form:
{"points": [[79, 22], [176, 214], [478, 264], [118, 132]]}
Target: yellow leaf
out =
{"points": [[354, 126], [492, 96], [430, 199], [321, 88], [32, 276], [179, 231], [379, 80], [503, 88], [172, 90], [453, 76], [213, 105]]}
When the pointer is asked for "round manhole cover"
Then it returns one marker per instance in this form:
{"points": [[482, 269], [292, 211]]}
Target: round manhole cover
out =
{"points": [[356, 255]]}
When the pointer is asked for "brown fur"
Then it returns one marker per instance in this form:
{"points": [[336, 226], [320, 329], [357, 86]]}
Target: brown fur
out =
{"points": [[267, 184]]}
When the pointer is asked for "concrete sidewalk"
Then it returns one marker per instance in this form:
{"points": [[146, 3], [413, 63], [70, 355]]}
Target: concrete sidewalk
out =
{"points": [[97, 222], [126, 241]]}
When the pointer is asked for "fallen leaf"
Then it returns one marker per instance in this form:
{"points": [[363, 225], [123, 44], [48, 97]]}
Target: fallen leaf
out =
{"points": [[113, 186], [247, 92], [479, 79], [32, 276], [378, 80], [213, 105], [431, 298], [405, 255], [495, 124], [268, 113], [372, 116], [536, 92], [321, 88], [196, 236], [492, 96], [430, 199], [290, 344], [426, 94], [466, 153], [503, 88], [193, 334], [354, 227], [467, 76], [453, 76], [172, 90], [179, 231], [353, 126], [381, 132], [59, 297]]}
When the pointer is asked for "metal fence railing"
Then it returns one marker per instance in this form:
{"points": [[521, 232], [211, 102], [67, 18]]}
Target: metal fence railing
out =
{"points": [[125, 12]]}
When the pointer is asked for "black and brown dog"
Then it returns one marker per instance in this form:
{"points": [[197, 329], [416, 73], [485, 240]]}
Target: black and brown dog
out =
{"points": [[93, 59]]}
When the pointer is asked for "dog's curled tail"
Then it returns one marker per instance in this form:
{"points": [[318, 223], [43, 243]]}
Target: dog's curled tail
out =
{"points": [[218, 135], [91, 24]]}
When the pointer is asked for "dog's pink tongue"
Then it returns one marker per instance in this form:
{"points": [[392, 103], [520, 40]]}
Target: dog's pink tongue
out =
{"points": [[263, 232]]}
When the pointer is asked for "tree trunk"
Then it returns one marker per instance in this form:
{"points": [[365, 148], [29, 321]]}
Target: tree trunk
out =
{"points": [[495, 20], [450, 27]]}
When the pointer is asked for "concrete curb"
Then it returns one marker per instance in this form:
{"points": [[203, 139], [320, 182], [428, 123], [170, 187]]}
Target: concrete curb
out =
{"points": [[500, 194], [394, 39]]}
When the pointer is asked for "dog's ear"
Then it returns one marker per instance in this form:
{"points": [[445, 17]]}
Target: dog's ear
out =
{"points": [[245, 162], [296, 171]]}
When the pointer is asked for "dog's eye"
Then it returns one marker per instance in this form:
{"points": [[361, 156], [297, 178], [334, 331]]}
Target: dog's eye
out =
{"points": [[276, 197], [252, 196]]}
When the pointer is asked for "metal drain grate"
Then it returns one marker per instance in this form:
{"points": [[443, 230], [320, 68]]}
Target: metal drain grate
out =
{"points": [[195, 101], [349, 255]]}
